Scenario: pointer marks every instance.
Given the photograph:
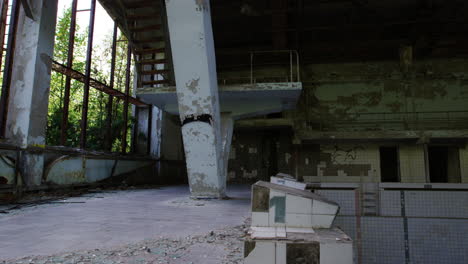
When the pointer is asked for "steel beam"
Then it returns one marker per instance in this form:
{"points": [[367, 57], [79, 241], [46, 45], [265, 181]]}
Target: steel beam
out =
{"points": [[66, 95], [89, 54], [127, 91], [7, 70], [110, 101], [95, 84]]}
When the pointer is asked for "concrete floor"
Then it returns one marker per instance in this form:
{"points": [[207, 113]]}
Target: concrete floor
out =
{"points": [[116, 218]]}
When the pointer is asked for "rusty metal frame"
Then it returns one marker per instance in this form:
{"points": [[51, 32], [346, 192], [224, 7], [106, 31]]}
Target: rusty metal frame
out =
{"points": [[89, 54], [108, 143], [71, 74], [9, 57], [76, 75], [85, 78], [66, 96], [3, 25], [126, 101]]}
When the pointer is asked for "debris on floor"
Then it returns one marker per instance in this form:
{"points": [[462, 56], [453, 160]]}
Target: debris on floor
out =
{"points": [[224, 246]]}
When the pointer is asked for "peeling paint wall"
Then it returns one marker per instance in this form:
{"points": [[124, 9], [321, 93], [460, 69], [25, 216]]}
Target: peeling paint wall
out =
{"points": [[377, 96], [356, 100], [343, 163], [257, 155]]}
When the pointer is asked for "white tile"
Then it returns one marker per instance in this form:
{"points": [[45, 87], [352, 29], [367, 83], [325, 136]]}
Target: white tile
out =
{"points": [[260, 219], [274, 193], [334, 253], [300, 230], [298, 205], [280, 253], [321, 208], [298, 220], [261, 229], [263, 253], [280, 232], [322, 221]]}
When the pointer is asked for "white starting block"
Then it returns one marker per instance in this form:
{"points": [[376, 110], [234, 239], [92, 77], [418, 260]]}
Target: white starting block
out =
{"points": [[292, 225]]}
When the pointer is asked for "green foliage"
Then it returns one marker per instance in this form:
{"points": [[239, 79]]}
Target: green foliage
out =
{"points": [[98, 101]]}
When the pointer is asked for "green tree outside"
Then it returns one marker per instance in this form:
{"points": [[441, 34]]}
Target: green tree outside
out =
{"points": [[98, 101]]}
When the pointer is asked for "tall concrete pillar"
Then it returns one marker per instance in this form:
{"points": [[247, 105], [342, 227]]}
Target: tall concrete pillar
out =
{"points": [[30, 83], [193, 54]]}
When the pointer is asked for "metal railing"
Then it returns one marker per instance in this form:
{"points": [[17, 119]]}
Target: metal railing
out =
{"points": [[291, 59]]}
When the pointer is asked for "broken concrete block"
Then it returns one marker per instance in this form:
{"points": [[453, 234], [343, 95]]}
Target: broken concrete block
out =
{"points": [[260, 219], [299, 220], [298, 205], [290, 207]]}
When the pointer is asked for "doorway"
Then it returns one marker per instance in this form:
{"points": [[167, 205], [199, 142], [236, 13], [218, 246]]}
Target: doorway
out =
{"points": [[389, 165], [444, 164]]}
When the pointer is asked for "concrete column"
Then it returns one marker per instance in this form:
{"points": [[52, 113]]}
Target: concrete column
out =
{"points": [[193, 53], [27, 110], [227, 128], [142, 138]]}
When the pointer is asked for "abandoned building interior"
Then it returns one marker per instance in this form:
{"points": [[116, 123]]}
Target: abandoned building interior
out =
{"points": [[128, 120]]}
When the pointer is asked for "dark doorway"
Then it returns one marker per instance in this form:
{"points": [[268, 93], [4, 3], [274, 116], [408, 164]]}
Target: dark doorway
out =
{"points": [[444, 164], [389, 165]]}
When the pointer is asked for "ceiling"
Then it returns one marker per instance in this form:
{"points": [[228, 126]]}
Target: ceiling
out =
{"points": [[322, 31], [342, 30]]}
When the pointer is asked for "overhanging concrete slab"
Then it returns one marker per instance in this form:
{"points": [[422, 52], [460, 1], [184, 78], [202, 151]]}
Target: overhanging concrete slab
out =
{"points": [[243, 100]]}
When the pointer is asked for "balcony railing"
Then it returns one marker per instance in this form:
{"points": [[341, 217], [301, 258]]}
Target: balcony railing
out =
{"points": [[259, 69]]}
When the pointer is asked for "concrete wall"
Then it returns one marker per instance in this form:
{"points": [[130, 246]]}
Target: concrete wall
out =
{"points": [[258, 154], [335, 93], [412, 166], [346, 163], [172, 168], [464, 163], [355, 102]]}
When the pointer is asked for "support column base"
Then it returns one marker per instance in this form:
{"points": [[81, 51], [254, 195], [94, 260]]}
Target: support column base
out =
{"points": [[203, 162]]}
